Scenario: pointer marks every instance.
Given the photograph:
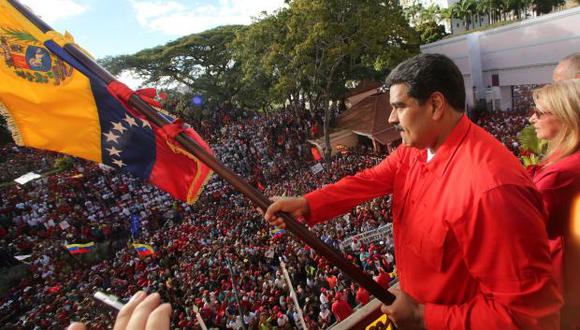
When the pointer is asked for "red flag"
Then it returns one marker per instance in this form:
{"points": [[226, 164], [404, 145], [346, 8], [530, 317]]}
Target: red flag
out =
{"points": [[315, 153], [173, 169]]}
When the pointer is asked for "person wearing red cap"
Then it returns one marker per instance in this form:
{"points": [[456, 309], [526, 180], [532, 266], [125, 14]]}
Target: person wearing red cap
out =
{"points": [[283, 321], [340, 308]]}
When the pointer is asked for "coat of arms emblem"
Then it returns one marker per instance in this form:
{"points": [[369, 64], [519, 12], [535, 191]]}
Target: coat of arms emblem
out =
{"points": [[29, 59]]}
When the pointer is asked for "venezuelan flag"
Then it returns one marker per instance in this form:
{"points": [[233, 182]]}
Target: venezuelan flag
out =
{"points": [[80, 248], [144, 250], [277, 233], [53, 102]]}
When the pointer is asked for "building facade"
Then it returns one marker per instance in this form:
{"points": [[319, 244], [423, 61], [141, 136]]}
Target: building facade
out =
{"points": [[498, 61]]}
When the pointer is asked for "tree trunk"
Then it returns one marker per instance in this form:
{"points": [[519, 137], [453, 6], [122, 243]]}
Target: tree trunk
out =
{"points": [[327, 108], [328, 149]]}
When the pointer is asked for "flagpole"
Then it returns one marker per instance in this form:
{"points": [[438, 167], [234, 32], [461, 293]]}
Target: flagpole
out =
{"points": [[293, 294], [296, 228], [235, 289]]}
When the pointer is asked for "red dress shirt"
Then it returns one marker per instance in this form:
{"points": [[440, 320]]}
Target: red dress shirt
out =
{"points": [[469, 233], [559, 185]]}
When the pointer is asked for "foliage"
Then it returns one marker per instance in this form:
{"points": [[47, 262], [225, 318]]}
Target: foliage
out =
{"points": [[532, 148], [427, 21], [261, 51], [470, 11], [202, 62], [546, 6], [309, 51], [302, 54], [63, 163], [431, 31]]}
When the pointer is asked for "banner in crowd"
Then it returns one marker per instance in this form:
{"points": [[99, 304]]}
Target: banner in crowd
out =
{"points": [[80, 248], [144, 250], [24, 179], [317, 168], [64, 225], [53, 102], [135, 226]]}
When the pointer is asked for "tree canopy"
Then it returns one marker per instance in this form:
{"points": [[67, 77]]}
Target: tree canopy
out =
{"points": [[303, 54], [306, 52], [203, 62]]}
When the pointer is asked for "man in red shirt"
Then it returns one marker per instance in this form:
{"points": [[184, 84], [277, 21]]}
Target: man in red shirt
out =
{"points": [[362, 296], [340, 308], [470, 242], [383, 279]]}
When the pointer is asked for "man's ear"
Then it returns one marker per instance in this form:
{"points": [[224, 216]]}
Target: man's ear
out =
{"points": [[438, 105]]}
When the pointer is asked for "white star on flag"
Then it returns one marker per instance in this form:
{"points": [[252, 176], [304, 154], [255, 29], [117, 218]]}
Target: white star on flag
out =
{"points": [[130, 120], [114, 152], [119, 127], [145, 123], [118, 162], [111, 137]]}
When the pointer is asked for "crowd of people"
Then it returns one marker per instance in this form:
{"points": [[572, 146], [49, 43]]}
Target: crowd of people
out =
{"points": [[505, 126], [217, 255], [205, 254], [18, 161]]}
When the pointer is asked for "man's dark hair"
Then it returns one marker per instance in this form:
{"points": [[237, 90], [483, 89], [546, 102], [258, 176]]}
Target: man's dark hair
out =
{"points": [[429, 73]]}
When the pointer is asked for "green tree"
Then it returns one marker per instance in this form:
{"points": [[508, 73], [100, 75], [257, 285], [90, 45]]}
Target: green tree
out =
{"points": [[203, 62], [515, 7], [483, 8], [429, 26], [430, 31], [413, 13], [466, 9], [63, 163], [542, 6], [329, 42], [449, 14], [263, 53], [527, 4]]}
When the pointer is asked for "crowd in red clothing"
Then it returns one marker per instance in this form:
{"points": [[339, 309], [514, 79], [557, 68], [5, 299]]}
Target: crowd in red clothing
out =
{"points": [[201, 250], [505, 126]]}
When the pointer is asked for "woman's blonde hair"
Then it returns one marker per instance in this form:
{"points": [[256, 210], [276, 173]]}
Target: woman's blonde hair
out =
{"points": [[562, 99]]}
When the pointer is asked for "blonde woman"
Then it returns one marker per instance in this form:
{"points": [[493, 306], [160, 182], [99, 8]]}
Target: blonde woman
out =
{"points": [[556, 119]]}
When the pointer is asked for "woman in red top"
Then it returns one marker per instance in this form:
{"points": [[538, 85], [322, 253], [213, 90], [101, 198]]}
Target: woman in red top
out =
{"points": [[557, 120]]}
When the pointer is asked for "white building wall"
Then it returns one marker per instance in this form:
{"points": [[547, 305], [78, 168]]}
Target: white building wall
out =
{"points": [[521, 53], [505, 96]]}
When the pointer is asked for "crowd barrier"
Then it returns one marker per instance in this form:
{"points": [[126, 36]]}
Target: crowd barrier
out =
{"points": [[382, 234]]}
